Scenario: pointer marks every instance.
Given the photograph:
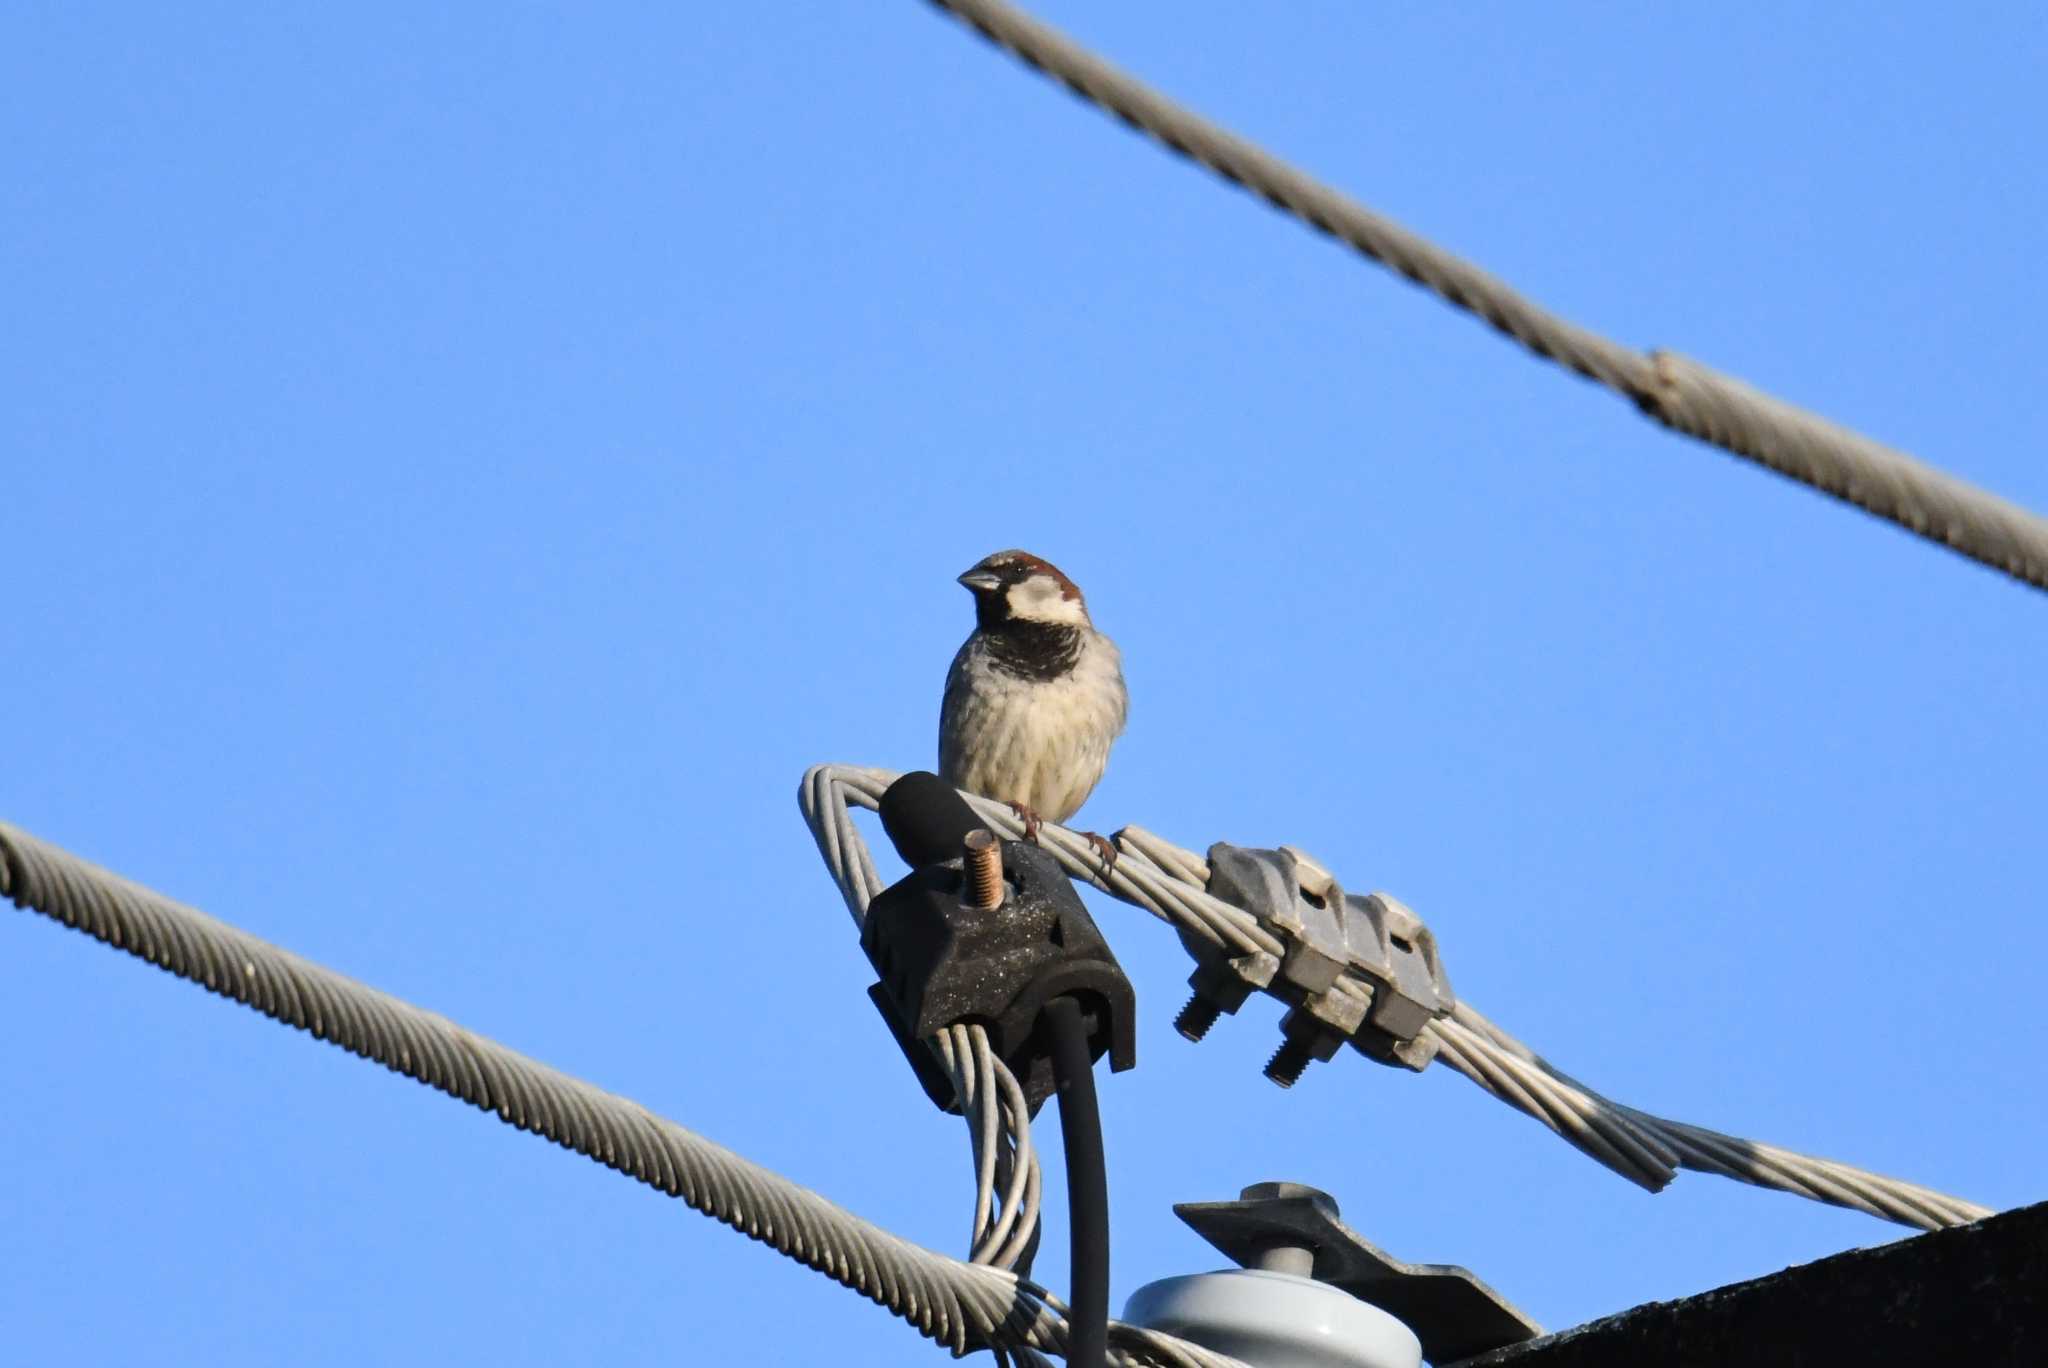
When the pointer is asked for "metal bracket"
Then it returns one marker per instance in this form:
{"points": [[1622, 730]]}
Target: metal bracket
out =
{"points": [[1292, 1228], [943, 960], [1373, 940]]}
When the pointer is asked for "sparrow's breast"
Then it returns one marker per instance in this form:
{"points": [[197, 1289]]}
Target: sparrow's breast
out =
{"points": [[1040, 743]]}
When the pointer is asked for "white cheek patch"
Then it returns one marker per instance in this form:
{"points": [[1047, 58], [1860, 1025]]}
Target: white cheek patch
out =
{"points": [[1039, 598]]}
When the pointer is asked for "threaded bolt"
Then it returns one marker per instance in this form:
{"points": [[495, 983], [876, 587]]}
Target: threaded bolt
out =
{"points": [[1197, 1017], [984, 869], [1290, 1061]]}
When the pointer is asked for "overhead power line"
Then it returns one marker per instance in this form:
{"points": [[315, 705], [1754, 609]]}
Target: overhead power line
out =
{"points": [[960, 1305], [1172, 884], [1679, 393]]}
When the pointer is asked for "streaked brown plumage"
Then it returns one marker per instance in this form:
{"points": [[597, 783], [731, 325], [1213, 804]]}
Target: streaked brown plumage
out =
{"points": [[1036, 694]]}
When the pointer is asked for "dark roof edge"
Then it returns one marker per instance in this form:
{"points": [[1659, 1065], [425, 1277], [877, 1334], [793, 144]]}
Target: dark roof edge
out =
{"points": [[1977, 1294]]}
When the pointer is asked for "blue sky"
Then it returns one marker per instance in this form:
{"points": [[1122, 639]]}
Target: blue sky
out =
{"points": [[460, 465]]}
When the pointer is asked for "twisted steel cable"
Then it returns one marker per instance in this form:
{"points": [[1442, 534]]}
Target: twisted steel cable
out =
{"points": [[1724, 412], [1680, 394], [959, 1305], [1170, 883], [1706, 1151], [999, 1130]]}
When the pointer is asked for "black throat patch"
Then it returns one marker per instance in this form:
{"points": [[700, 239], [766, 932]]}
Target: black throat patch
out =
{"points": [[1037, 651]]}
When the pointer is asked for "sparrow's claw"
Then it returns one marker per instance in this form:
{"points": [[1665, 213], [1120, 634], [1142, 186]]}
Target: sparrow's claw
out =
{"points": [[1102, 848], [1030, 820]]}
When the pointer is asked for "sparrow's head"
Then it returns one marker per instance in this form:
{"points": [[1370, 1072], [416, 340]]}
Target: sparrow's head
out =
{"points": [[1016, 586]]}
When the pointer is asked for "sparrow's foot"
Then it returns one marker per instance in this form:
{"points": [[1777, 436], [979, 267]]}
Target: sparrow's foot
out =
{"points": [[1030, 819], [1102, 848]]}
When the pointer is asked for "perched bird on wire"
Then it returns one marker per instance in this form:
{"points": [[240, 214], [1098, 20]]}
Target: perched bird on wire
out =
{"points": [[1035, 696]]}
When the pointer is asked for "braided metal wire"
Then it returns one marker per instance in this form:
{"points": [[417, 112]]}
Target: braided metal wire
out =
{"points": [[999, 1131], [1169, 882], [1752, 1161], [960, 1305], [1680, 394], [1721, 410]]}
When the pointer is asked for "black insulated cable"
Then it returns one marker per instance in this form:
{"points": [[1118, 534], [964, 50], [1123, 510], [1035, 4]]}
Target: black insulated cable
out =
{"points": [[1087, 1184]]}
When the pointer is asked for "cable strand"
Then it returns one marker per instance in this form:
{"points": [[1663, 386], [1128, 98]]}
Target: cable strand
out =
{"points": [[960, 1305], [1682, 395]]}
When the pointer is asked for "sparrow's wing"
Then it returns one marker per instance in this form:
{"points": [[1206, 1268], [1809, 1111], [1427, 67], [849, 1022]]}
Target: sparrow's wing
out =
{"points": [[1123, 695], [952, 717]]}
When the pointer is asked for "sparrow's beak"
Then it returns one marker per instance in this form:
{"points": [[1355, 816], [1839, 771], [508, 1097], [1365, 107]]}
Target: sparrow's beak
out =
{"points": [[981, 581]]}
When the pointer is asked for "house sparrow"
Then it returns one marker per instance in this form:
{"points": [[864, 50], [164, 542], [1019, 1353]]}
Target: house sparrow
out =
{"points": [[1035, 696]]}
